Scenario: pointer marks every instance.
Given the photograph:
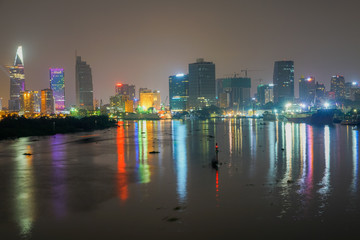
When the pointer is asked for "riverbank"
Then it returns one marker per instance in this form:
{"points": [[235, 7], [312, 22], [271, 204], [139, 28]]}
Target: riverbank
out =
{"points": [[14, 127]]}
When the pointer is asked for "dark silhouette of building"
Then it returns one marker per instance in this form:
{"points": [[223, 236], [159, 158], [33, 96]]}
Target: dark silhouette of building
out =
{"points": [[338, 87], [84, 85], [237, 90], [17, 81], [283, 81], [307, 89], [201, 84], [178, 92]]}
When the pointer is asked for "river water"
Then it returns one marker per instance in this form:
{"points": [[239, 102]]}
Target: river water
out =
{"points": [[283, 180]]}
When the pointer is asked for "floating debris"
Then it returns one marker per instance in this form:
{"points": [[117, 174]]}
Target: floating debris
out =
{"points": [[154, 152]]}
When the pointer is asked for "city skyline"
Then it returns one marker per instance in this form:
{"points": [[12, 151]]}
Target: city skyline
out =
{"points": [[145, 53]]}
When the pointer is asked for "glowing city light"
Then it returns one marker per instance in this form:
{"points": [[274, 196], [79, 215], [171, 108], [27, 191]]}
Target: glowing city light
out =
{"points": [[180, 75], [288, 105], [326, 105], [19, 53], [354, 83], [309, 79]]}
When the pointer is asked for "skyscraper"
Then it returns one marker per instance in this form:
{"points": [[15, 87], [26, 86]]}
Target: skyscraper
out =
{"points": [[178, 92], [84, 85], [307, 89], [17, 81], [57, 85], [125, 89], [202, 91], [47, 101], [283, 81], [338, 87], [149, 99]]}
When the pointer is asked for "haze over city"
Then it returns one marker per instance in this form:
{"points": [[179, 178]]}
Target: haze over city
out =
{"points": [[144, 42]]}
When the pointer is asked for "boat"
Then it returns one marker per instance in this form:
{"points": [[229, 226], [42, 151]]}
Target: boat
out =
{"points": [[299, 117], [269, 116]]}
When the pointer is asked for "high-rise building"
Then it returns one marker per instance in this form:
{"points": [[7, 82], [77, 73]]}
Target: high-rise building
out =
{"points": [[47, 101], [1, 104], [265, 93], [29, 102], [351, 90], [307, 89], [17, 81], [237, 90], [283, 81], [84, 85], [338, 87], [57, 85], [178, 92], [202, 90], [320, 91], [125, 89], [149, 99]]}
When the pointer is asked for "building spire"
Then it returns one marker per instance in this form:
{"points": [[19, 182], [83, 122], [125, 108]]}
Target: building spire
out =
{"points": [[19, 60]]}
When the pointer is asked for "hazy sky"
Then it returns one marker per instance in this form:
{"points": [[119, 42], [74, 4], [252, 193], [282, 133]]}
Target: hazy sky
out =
{"points": [[143, 42]]}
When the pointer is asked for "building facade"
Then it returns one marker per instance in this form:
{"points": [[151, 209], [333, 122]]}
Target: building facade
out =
{"points": [[283, 81], [29, 102], [125, 89], [57, 85], [47, 101], [84, 85], [338, 87], [17, 81], [202, 90], [351, 90], [150, 99], [178, 92], [307, 89], [265, 93]]}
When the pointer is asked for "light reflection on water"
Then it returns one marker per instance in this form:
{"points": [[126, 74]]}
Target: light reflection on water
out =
{"points": [[277, 171]]}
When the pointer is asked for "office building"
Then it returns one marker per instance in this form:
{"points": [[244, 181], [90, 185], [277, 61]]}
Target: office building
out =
{"points": [[178, 92], [17, 81], [283, 81], [307, 89], [265, 93], [29, 102], [57, 85], [149, 99], [84, 85], [237, 90], [351, 90], [338, 87], [47, 101], [125, 89], [202, 91], [1, 104], [320, 91]]}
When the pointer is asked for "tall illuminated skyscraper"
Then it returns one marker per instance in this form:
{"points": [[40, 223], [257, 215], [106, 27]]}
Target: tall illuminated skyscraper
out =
{"points": [[178, 92], [57, 85], [47, 101], [84, 85], [338, 87], [283, 81], [17, 81], [202, 90], [125, 89]]}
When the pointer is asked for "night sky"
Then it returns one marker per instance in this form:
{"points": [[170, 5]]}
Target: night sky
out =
{"points": [[143, 42]]}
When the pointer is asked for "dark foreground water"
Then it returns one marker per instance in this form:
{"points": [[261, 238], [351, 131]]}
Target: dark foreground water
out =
{"points": [[279, 180]]}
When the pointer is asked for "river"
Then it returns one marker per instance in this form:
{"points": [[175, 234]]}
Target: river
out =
{"points": [[156, 179]]}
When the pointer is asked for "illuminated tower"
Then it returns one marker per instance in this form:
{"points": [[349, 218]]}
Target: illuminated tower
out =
{"points": [[17, 81], [283, 81], [178, 92], [202, 90], [84, 85], [29, 102], [57, 85]]}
